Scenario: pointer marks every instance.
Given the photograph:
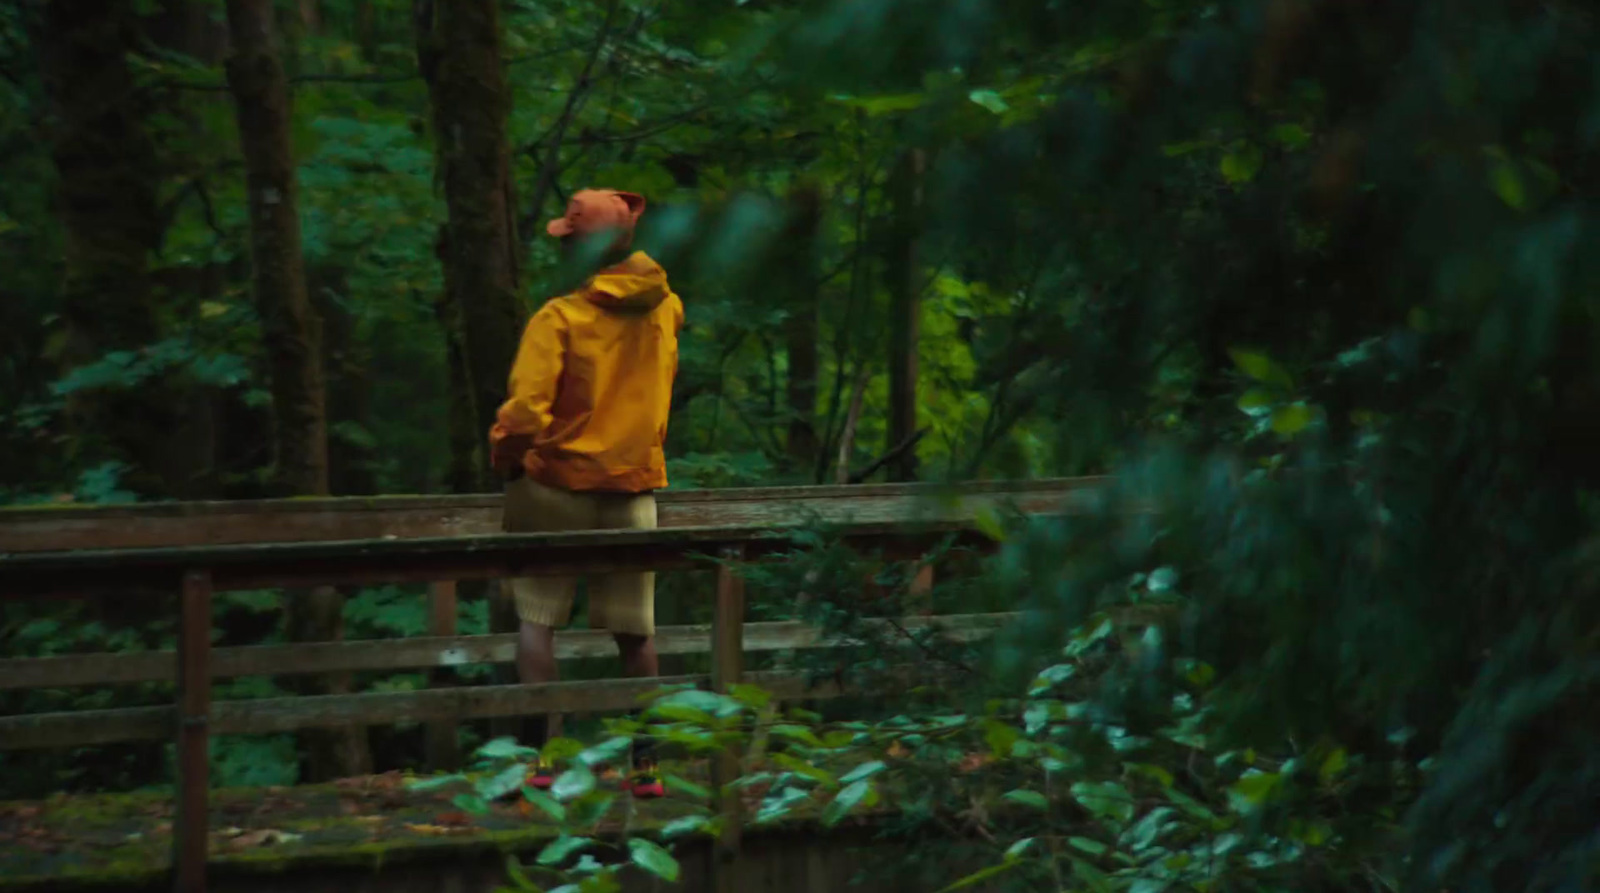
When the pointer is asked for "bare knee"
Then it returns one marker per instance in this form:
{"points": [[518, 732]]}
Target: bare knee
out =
{"points": [[630, 643]]}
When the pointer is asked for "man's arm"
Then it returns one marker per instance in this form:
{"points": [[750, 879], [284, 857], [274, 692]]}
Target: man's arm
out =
{"points": [[531, 390]]}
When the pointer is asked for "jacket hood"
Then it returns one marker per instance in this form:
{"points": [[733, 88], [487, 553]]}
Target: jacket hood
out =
{"points": [[637, 284]]}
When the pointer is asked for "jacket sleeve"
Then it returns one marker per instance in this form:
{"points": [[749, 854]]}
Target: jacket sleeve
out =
{"points": [[531, 390]]}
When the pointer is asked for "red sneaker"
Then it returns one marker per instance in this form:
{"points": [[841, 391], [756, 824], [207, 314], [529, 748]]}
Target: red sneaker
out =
{"points": [[645, 782], [541, 776]]}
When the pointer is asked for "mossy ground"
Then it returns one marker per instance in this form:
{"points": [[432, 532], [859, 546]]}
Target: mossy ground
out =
{"points": [[128, 837]]}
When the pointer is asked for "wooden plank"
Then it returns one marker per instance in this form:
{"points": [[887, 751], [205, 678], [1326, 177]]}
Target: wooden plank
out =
{"points": [[442, 747], [727, 664], [170, 525], [289, 565], [360, 655], [193, 733], [274, 715]]}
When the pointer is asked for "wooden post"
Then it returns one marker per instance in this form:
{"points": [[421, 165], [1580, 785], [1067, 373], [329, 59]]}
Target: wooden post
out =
{"points": [[442, 746], [921, 590], [190, 832], [727, 665]]}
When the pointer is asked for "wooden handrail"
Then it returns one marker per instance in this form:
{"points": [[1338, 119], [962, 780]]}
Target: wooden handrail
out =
{"points": [[272, 565], [154, 525], [365, 655]]}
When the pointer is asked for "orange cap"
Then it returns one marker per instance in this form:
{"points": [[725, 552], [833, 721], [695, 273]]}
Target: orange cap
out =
{"points": [[595, 210]]}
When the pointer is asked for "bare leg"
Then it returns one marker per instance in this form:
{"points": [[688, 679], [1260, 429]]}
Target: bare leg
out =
{"points": [[536, 662], [638, 655], [639, 660]]}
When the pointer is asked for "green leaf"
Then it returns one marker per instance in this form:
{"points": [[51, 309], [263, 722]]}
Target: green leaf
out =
{"points": [[988, 524], [982, 875], [504, 782], [574, 782], [1050, 677], [1291, 136], [518, 878], [1000, 737], [796, 733], [1145, 832], [550, 805], [1241, 166], [990, 100], [557, 750], [654, 859], [471, 803], [1255, 402], [589, 809], [1105, 799], [1092, 877], [1016, 850], [856, 794], [605, 751], [1190, 805], [1089, 845], [1334, 764], [505, 748], [679, 785], [688, 824], [1151, 771], [750, 695], [1507, 184], [1260, 367], [801, 767], [881, 105], [560, 849], [1032, 799], [434, 783], [1253, 789], [864, 771], [1292, 419]]}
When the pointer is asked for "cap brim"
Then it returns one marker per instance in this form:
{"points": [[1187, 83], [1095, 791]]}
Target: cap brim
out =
{"points": [[560, 227]]}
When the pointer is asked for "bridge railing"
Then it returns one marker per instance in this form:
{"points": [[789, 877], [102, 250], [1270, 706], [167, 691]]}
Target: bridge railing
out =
{"points": [[196, 550]]}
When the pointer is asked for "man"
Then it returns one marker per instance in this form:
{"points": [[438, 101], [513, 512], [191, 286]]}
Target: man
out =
{"points": [[580, 443]]}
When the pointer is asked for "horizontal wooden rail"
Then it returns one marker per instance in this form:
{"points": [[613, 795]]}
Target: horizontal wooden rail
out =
{"points": [[272, 565], [264, 716], [159, 525], [67, 671]]}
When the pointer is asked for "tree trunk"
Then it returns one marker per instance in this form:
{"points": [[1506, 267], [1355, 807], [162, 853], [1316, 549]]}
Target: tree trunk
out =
{"points": [[291, 338], [107, 172], [905, 309], [458, 50], [800, 280]]}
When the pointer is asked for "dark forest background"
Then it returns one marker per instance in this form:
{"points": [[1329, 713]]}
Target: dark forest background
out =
{"points": [[1314, 279]]}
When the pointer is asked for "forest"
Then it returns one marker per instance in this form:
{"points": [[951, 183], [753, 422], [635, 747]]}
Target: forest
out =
{"points": [[1309, 281]]}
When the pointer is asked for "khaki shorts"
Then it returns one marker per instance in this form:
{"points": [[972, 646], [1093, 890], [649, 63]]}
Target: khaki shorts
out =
{"points": [[621, 603]]}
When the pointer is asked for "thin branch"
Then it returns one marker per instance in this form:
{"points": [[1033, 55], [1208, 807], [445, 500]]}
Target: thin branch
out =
{"points": [[890, 456], [847, 439]]}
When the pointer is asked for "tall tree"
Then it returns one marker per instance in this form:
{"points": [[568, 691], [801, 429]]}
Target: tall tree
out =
{"points": [[459, 52], [800, 279], [106, 167], [905, 312], [290, 332]]}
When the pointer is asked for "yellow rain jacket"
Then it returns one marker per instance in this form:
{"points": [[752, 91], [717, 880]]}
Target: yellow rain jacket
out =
{"points": [[592, 385]]}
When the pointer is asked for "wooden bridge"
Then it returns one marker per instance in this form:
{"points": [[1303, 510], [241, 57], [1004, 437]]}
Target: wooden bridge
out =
{"points": [[196, 549]]}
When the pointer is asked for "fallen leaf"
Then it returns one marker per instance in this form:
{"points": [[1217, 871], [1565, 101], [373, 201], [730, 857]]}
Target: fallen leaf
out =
{"points": [[452, 818], [973, 762], [262, 837], [437, 829]]}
